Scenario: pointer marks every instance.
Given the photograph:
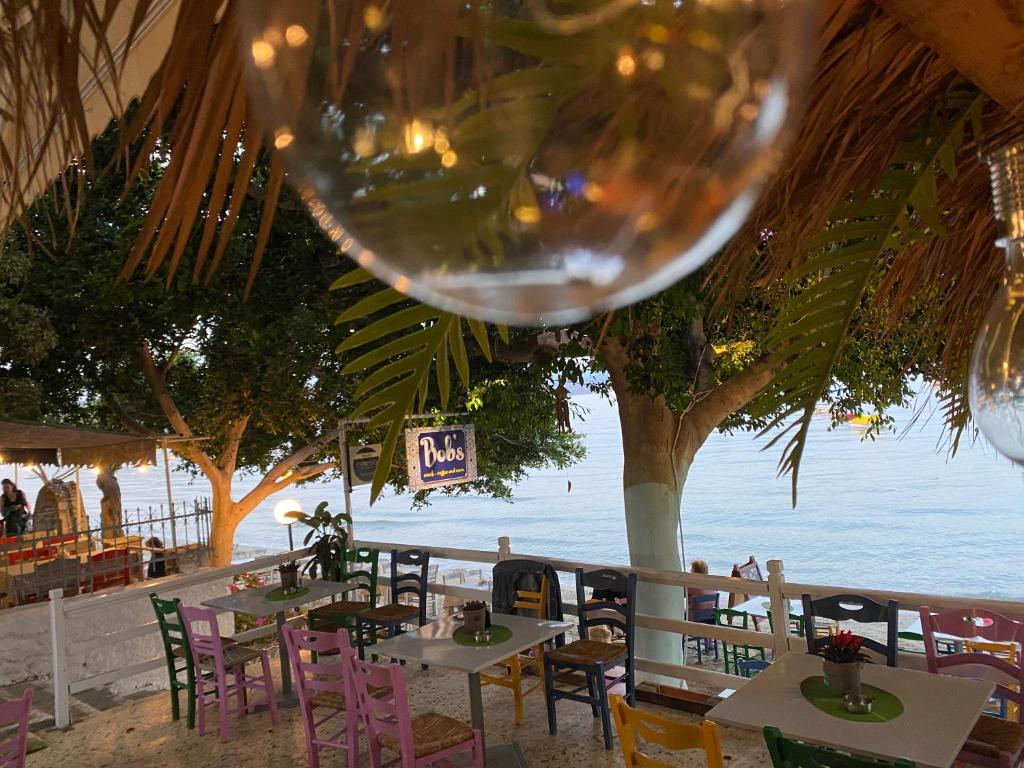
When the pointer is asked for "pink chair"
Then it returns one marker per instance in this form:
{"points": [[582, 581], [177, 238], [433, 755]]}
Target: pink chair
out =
{"points": [[12, 751], [215, 661], [324, 688], [993, 742], [418, 741]]}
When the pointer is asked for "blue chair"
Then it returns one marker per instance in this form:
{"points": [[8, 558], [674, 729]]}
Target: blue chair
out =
{"points": [[750, 667], [703, 609]]}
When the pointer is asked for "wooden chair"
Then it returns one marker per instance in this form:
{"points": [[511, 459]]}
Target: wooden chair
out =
{"points": [[325, 692], [216, 662], [750, 667], [341, 613], [393, 615], [109, 568], [593, 658], [426, 739], [536, 603], [12, 749], [855, 608], [733, 652], [786, 753], [1008, 651], [668, 733], [703, 612], [993, 742]]}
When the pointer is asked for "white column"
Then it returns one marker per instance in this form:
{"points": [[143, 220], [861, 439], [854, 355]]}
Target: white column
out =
{"points": [[780, 606], [59, 660]]}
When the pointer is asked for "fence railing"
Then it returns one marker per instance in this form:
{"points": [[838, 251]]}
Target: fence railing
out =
{"points": [[96, 559], [778, 591]]}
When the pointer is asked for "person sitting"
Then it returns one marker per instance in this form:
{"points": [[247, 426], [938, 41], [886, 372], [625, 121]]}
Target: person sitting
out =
{"points": [[157, 567], [692, 593], [15, 509]]}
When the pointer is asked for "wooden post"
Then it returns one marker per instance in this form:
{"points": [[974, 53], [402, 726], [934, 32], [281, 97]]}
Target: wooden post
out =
{"points": [[504, 548], [59, 660], [780, 606]]}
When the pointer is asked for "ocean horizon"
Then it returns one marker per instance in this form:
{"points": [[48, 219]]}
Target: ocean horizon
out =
{"points": [[892, 513]]}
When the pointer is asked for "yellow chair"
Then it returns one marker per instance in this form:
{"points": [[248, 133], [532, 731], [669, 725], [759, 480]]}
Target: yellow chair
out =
{"points": [[1007, 651], [668, 733], [532, 657]]}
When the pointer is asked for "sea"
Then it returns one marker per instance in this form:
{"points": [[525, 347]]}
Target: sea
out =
{"points": [[895, 512]]}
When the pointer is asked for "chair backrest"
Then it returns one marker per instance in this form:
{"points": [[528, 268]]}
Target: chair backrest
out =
{"points": [[410, 582], [387, 710], [619, 613], [330, 673], [855, 608], [974, 624], [750, 667], [796, 623], [729, 617], [786, 753], [12, 750], [704, 607], [203, 634], [363, 570], [172, 632], [670, 734], [110, 568], [534, 601]]}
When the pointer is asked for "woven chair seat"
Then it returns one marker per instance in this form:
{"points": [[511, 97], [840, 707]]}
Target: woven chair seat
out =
{"points": [[339, 610], [391, 612], [991, 737], [431, 733], [234, 655], [179, 650], [588, 652], [329, 699]]}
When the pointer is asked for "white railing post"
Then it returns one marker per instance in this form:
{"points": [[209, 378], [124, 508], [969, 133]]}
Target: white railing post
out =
{"points": [[780, 606], [59, 660], [504, 548]]}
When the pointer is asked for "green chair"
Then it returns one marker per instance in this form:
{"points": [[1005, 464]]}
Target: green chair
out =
{"points": [[363, 575], [178, 655], [796, 624], [786, 753], [731, 652]]}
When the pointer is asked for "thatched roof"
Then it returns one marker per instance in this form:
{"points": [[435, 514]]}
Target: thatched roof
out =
{"points": [[25, 442]]}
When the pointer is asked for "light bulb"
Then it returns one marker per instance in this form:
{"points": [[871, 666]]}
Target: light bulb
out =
{"points": [[521, 164], [287, 511], [996, 381]]}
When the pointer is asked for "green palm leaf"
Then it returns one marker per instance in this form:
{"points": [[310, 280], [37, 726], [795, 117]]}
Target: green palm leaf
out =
{"points": [[810, 334]]}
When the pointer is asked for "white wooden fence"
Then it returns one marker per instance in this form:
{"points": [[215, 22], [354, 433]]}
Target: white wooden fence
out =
{"points": [[778, 591]]}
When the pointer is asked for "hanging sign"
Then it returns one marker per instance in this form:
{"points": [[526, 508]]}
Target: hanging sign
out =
{"points": [[439, 456], [362, 463]]}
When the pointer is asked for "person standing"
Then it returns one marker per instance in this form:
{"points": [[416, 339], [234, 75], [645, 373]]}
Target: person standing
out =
{"points": [[15, 509]]}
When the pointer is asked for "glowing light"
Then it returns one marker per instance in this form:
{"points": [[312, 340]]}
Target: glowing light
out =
{"points": [[366, 258], [441, 144], [626, 64], [654, 59], [449, 158], [402, 283], [365, 143], [418, 136], [287, 511], [645, 222], [143, 468], [373, 17], [658, 33], [296, 35], [593, 192], [347, 245], [283, 138], [263, 54], [528, 214]]}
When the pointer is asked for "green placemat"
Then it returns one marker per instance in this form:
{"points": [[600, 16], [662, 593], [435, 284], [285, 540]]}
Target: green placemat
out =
{"points": [[280, 594], [499, 634], [886, 707]]}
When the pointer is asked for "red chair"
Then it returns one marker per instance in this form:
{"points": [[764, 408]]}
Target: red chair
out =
{"points": [[993, 742], [12, 750], [110, 568], [31, 555]]}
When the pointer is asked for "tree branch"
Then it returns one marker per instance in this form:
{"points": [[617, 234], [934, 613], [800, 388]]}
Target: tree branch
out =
{"points": [[130, 423], [526, 350], [263, 490], [232, 441], [730, 396]]}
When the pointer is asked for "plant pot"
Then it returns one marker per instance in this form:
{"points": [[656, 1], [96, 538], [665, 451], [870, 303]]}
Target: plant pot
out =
{"points": [[842, 678], [289, 580], [474, 619]]}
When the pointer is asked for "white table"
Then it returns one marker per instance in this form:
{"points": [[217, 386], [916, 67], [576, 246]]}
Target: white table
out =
{"points": [[759, 606], [938, 711], [254, 602], [433, 644]]}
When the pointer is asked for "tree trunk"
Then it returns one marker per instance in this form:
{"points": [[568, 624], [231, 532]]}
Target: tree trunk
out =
{"points": [[225, 521]]}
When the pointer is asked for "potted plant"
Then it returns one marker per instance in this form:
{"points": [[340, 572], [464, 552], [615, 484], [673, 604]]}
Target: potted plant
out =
{"points": [[289, 576], [842, 661], [327, 541]]}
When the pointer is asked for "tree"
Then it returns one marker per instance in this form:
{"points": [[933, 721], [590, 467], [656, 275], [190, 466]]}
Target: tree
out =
{"points": [[256, 382]]}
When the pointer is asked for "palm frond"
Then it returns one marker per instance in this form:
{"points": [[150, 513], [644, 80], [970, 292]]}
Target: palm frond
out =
{"points": [[810, 334], [416, 340]]}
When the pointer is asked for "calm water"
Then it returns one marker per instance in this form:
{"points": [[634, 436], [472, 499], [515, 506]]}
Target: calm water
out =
{"points": [[895, 513]]}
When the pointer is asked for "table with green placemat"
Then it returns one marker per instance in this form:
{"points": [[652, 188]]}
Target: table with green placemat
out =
{"points": [[273, 601], [444, 643], [916, 715]]}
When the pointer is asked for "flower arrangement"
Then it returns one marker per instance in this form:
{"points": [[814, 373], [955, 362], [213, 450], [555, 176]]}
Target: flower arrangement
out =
{"points": [[247, 580], [841, 648]]}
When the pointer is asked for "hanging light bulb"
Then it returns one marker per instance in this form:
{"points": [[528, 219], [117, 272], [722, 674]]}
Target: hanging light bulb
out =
{"points": [[996, 383], [528, 165]]}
